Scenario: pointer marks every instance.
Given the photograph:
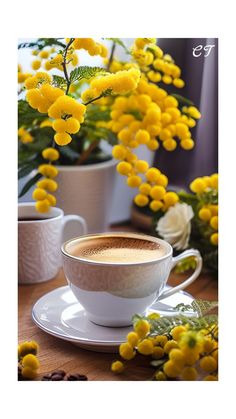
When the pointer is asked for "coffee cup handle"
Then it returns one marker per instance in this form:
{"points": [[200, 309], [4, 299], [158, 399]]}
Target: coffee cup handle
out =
{"points": [[72, 226], [188, 281]]}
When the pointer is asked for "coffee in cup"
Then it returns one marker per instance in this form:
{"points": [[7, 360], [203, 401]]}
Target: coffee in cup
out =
{"points": [[113, 249], [115, 275]]}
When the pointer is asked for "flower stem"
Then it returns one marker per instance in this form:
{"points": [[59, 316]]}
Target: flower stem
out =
{"points": [[93, 100], [111, 56], [86, 153], [68, 82]]}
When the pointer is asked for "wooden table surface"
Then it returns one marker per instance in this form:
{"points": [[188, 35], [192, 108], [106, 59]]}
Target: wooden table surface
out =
{"points": [[55, 353]]}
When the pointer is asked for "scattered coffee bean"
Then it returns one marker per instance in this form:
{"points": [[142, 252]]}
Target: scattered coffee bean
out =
{"points": [[60, 372], [57, 377], [48, 376], [60, 375], [83, 377], [77, 377]]}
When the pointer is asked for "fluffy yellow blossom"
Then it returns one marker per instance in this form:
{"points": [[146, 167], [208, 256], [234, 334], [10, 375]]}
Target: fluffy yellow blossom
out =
{"points": [[42, 206], [133, 338], [142, 328], [126, 351], [36, 64], [120, 82], [141, 200], [145, 347], [51, 199], [117, 367], [37, 80], [39, 194], [50, 154], [43, 54], [25, 136], [66, 105], [48, 184], [48, 170], [30, 361], [62, 138]]}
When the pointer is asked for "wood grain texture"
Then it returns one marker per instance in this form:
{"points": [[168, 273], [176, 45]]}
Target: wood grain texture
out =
{"points": [[58, 354]]}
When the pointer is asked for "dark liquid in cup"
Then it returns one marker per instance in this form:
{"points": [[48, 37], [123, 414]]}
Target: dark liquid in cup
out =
{"points": [[31, 218]]}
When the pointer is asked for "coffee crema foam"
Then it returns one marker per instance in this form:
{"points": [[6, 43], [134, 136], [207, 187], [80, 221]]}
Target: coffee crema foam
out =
{"points": [[117, 250]]}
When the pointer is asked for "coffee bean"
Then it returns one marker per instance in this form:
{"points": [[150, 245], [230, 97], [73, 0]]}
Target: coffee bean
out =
{"points": [[60, 372], [71, 377], [82, 377], [77, 377], [57, 377], [48, 376]]}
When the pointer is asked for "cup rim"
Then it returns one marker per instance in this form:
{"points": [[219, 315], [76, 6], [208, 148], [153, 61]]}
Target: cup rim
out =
{"points": [[118, 234], [43, 220]]}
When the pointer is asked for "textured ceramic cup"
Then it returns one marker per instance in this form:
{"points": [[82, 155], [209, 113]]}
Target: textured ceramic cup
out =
{"points": [[112, 292], [39, 240]]}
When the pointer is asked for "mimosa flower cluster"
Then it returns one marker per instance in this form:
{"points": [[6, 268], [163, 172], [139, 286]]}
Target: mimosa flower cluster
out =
{"points": [[181, 354], [44, 199], [49, 59], [118, 83], [141, 112], [157, 65], [66, 113], [28, 363], [149, 117], [206, 189]]}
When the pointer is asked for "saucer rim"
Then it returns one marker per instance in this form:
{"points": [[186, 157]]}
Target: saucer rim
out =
{"points": [[82, 341]]}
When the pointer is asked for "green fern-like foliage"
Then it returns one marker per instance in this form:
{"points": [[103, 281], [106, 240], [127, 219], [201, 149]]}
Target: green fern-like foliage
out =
{"points": [[85, 72], [163, 325], [41, 43]]}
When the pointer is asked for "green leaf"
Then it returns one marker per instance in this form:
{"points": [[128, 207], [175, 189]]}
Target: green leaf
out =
{"points": [[85, 72], [186, 264], [30, 183], [111, 138], [26, 156], [165, 324], [183, 307], [202, 307], [69, 153], [27, 116], [118, 41], [41, 43], [41, 141], [188, 198], [210, 260], [59, 81], [25, 170], [182, 100]]}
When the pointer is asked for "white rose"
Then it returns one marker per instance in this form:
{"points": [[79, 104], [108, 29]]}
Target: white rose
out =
{"points": [[175, 225]]}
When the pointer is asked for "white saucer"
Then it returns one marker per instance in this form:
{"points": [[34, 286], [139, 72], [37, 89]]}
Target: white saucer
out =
{"points": [[59, 314]]}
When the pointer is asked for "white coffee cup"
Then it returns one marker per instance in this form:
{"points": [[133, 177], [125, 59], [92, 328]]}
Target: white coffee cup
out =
{"points": [[112, 293], [39, 240]]}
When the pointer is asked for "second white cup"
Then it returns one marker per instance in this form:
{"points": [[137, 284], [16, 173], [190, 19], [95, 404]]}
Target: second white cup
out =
{"points": [[39, 240]]}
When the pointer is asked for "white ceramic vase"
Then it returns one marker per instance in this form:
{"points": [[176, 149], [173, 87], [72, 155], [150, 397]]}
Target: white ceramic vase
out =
{"points": [[87, 191]]}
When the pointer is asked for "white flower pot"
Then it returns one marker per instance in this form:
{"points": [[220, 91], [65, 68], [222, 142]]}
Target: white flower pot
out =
{"points": [[87, 191]]}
